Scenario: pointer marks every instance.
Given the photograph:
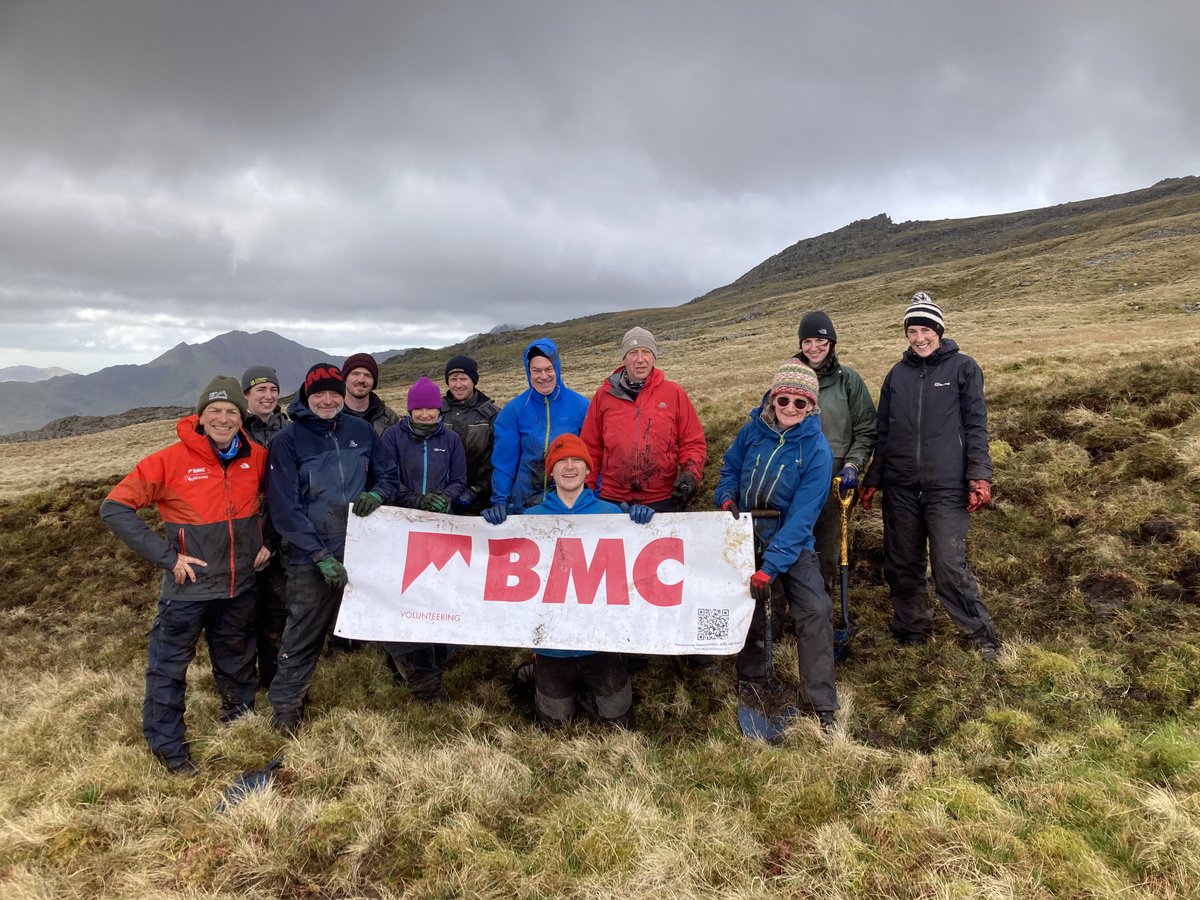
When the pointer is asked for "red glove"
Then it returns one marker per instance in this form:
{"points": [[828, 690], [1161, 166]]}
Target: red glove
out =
{"points": [[864, 497], [979, 494], [760, 585]]}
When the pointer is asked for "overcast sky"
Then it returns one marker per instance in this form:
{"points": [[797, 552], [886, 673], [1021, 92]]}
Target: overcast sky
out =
{"points": [[372, 175]]}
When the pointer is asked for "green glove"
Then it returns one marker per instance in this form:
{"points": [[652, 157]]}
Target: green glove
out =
{"points": [[435, 502], [333, 572], [366, 503]]}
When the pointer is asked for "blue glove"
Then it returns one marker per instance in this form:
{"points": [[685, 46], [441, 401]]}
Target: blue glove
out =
{"points": [[849, 476], [639, 512], [495, 514], [463, 502]]}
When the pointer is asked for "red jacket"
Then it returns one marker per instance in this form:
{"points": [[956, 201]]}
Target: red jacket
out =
{"points": [[640, 443], [208, 510]]}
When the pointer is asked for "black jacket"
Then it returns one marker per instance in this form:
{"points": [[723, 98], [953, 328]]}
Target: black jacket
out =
{"points": [[473, 420], [933, 430]]}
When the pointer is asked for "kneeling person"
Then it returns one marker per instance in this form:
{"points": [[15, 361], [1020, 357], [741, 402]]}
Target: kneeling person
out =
{"points": [[559, 675]]}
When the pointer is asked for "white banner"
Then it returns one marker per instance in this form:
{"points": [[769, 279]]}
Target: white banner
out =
{"points": [[590, 582]]}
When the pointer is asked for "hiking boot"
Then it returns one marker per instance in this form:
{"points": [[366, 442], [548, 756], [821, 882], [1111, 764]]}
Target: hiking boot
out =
{"points": [[181, 766], [433, 697], [828, 720], [913, 640], [286, 724], [987, 650]]}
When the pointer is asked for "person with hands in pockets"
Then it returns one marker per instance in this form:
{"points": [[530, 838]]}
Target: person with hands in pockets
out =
{"points": [[781, 461]]}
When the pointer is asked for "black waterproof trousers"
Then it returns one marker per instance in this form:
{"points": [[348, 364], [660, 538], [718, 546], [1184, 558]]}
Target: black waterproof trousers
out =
{"points": [[558, 680], [270, 616], [812, 612], [312, 608], [419, 665], [228, 626], [912, 520]]}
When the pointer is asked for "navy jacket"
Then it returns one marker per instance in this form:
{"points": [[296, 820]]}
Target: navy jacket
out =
{"points": [[316, 469], [435, 462]]}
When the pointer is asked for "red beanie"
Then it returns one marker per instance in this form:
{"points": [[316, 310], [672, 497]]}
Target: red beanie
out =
{"points": [[362, 361], [566, 445]]}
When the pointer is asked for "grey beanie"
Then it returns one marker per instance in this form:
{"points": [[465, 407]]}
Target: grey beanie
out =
{"points": [[223, 387], [257, 375], [638, 337]]}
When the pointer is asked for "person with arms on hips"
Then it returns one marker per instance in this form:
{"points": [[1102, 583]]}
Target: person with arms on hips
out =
{"points": [[524, 429], [207, 489], [933, 465], [848, 423], [781, 461], [324, 464], [264, 419], [643, 433], [471, 414], [432, 471], [560, 677], [361, 373]]}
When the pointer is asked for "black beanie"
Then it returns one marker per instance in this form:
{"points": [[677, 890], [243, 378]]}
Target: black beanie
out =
{"points": [[817, 325], [321, 377], [463, 364]]}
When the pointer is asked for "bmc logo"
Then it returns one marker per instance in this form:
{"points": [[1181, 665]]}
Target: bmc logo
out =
{"points": [[511, 575]]}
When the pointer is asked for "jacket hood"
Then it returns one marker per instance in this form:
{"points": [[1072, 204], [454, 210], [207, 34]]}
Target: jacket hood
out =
{"points": [[547, 346]]}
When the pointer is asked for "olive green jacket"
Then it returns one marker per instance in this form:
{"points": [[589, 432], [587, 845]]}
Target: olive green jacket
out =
{"points": [[847, 414]]}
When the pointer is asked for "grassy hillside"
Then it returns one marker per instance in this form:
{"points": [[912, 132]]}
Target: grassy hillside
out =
{"points": [[1067, 769]]}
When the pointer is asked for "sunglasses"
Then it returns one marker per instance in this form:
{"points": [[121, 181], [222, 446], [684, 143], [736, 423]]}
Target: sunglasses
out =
{"points": [[783, 400]]}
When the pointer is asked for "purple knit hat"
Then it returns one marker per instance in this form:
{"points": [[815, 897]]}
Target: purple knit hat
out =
{"points": [[424, 395]]}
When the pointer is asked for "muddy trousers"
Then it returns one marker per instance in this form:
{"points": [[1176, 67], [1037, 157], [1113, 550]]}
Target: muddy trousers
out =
{"points": [[228, 625], [558, 680], [812, 612], [312, 608], [912, 520], [827, 532]]}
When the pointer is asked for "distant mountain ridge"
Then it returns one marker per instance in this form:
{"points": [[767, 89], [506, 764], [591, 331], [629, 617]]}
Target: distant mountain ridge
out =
{"points": [[31, 373], [172, 379]]}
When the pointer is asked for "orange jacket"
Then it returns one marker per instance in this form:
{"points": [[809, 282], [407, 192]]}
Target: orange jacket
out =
{"points": [[208, 510]]}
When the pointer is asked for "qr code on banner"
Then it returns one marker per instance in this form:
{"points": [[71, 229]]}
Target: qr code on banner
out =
{"points": [[712, 624]]}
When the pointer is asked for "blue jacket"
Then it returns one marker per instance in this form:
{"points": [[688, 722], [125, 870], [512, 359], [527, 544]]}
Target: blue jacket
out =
{"points": [[586, 504], [789, 471], [523, 432], [436, 462], [316, 469]]}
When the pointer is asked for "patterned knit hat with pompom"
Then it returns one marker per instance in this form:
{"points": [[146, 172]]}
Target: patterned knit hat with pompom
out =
{"points": [[796, 378]]}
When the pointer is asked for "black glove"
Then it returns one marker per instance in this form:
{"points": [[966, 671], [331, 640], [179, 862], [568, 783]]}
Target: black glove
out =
{"points": [[463, 502], [732, 506], [685, 488]]}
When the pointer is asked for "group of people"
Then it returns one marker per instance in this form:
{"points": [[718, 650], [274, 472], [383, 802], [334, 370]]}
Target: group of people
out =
{"points": [[264, 583]]}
